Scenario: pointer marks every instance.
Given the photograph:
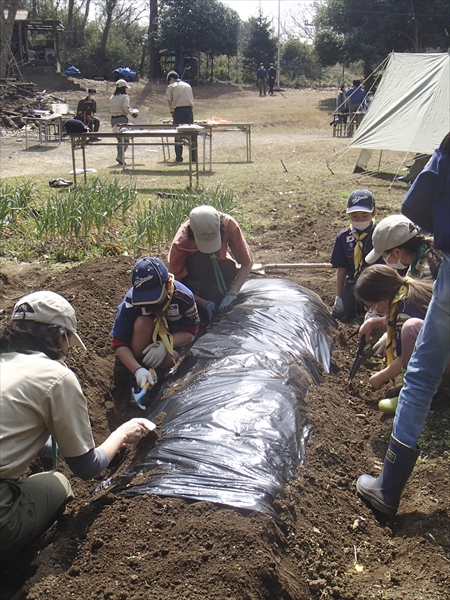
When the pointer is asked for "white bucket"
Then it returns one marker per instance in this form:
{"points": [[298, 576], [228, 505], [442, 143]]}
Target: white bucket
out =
{"points": [[60, 109]]}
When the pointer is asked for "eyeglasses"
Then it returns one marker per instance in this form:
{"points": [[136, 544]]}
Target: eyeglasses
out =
{"points": [[373, 307]]}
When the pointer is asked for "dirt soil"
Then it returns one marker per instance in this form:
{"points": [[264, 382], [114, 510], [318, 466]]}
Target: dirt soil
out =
{"points": [[331, 545]]}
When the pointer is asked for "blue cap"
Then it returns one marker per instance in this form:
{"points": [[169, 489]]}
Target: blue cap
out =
{"points": [[149, 278], [361, 200]]}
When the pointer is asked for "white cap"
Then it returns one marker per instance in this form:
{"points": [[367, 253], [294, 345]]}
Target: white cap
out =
{"points": [[50, 308], [122, 83], [205, 224], [390, 233]]}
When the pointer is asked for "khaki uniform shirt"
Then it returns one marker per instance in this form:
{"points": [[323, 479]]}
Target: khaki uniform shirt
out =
{"points": [[180, 94], [120, 105], [39, 397]]}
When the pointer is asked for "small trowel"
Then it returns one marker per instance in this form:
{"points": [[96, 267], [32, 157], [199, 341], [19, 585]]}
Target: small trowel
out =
{"points": [[358, 359], [137, 396]]}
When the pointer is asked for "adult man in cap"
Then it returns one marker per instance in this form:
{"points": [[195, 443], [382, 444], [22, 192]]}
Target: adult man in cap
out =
{"points": [[180, 100], [157, 316], [199, 257], [40, 396], [86, 112]]}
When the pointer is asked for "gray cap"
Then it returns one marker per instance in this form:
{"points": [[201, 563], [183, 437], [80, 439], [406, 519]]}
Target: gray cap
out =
{"points": [[50, 308], [391, 232]]}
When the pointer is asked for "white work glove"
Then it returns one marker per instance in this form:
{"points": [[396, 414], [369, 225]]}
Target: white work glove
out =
{"points": [[142, 377], [380, 347], [154, 354]]}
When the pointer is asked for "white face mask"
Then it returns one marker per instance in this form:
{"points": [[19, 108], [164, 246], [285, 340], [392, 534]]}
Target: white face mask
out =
{"points": [[398, 265], [361, 225]]}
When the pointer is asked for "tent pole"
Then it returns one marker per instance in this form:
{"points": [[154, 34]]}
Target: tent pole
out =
{"points": [[379, 160]]}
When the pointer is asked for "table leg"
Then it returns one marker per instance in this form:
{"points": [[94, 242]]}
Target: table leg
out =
{"points": [[204, 142], [83, 150], [210, 151], [74, 166], [196, 159], [190, 160]]}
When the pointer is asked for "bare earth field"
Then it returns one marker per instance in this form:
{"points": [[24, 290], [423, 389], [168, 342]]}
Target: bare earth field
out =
{"points": [[105, 547]]}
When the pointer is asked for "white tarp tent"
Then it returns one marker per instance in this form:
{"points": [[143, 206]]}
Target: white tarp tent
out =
{"points": [[411, 107]]}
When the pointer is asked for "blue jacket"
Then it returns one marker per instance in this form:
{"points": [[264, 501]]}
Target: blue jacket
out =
{"points": [[428, 201]]}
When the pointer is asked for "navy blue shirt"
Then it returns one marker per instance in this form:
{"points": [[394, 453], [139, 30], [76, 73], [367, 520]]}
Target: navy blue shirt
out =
{"points": [[428, 201], [355, 95], [344, 245], [181, 315], [405, 311]]}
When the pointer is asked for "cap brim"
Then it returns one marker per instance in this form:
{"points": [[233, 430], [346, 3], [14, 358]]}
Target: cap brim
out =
{"points": [[208, 246], [360, 209], [373, 256], [75, 340], [154, 296]]}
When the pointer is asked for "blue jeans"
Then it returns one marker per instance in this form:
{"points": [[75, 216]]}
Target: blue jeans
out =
{"points": [[427, 364]]}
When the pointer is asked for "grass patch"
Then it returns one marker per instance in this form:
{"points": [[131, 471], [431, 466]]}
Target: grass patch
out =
{"points": [[102, 218]]}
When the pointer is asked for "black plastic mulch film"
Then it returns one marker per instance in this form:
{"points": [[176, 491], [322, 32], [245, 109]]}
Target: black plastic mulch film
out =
{"points": [[236, 427]]}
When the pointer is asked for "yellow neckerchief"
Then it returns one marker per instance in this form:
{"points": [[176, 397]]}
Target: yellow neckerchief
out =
{"points": [[402, 292], [358, 256], [161, 329]]}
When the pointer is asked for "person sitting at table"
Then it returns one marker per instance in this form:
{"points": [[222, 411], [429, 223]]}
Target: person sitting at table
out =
{"points": [[198, 257], [342, 104], [355, 96], [367, 102], [86, 111]]}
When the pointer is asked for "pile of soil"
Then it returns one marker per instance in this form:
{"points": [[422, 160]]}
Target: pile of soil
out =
{"points": [[329, 543]]}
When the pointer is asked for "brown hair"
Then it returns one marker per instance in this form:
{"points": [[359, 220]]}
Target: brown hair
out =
{"points": [[26, 337], [380, 282]]}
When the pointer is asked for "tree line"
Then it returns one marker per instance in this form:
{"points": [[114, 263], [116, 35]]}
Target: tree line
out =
{"points": [[103, 35]]}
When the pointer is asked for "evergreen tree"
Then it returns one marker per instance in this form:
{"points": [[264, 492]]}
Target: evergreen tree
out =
{"points": [[260, 44]]}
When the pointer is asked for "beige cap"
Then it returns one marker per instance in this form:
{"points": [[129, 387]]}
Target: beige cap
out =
{"points": [[50, 308], [391, 232], [205, 224], [122, 83]]}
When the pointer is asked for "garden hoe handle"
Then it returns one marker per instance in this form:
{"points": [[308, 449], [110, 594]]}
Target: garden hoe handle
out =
{"points": [[359, 355], [138, 397]]}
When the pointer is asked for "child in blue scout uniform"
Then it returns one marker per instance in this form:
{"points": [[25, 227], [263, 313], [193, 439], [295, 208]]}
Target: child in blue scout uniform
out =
{"points": [[351, 246], [400, 305], [157, 316]]}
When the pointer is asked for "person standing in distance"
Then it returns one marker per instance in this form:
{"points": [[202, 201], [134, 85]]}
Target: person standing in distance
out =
{"points": [[261, 76], [271, 74], [120, 111], [180, 100]]}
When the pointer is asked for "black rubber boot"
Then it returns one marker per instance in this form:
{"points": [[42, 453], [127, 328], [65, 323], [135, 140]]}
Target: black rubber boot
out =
{"points": [[384, 492]]}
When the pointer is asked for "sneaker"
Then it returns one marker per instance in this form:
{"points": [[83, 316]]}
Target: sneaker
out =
{"points": [[121, 162]]}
